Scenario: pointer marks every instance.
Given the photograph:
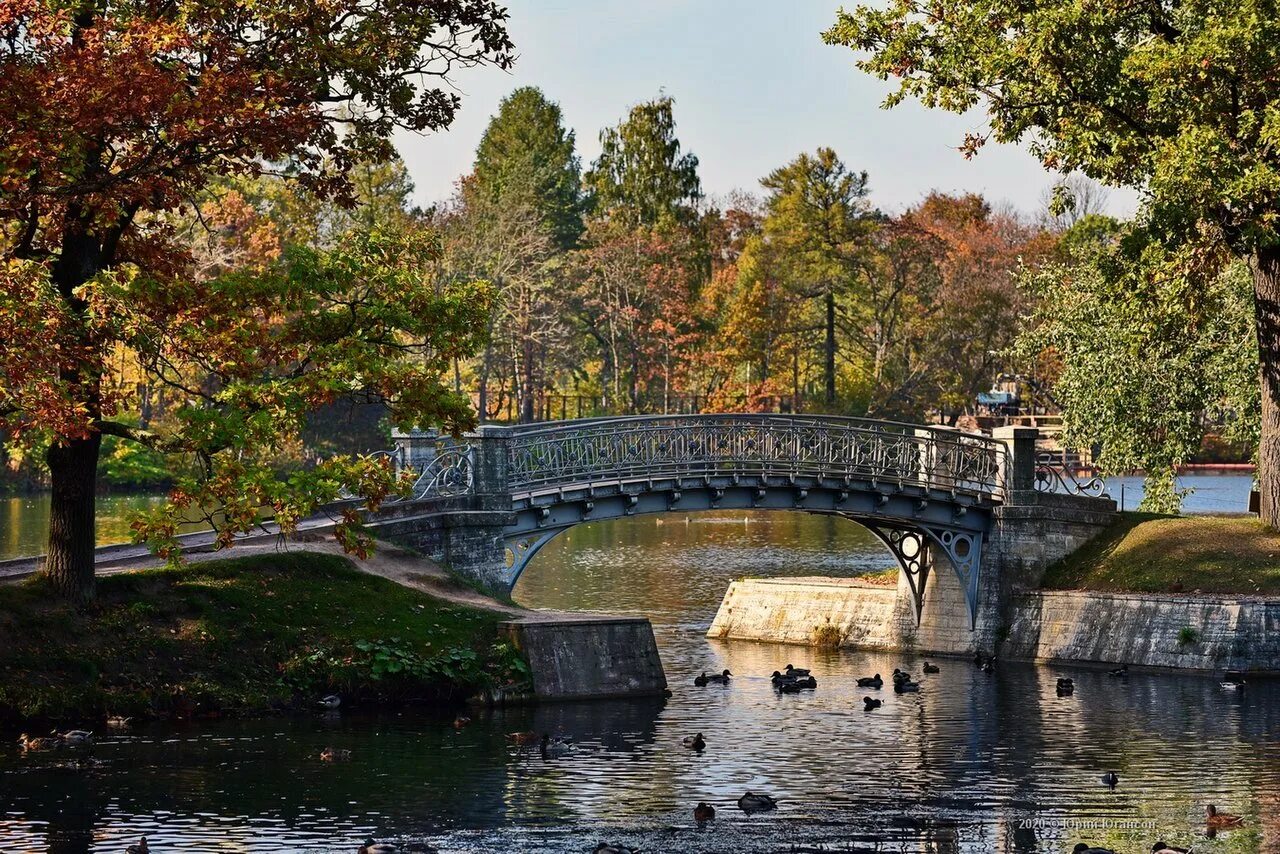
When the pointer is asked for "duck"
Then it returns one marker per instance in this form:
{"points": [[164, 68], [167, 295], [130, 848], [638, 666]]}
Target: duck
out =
{"points": [[614, 848], [790, 687], [332, 701], [75, 737], [140, 848], [37, 743], [1216, 819], [1121, 671], [118, 722], [1111, 779], [989, 666], [694, 742], [522, 739], [1232, 680], [461, 721], [332, 754], [721, 678], [704, 812], [796, 671], [553, 749], [1172, 849], [905, 685], [371, 847], [1086, 848], [751, 802], [1065, 686], [871, 703], [871, 681], [931, 668]]}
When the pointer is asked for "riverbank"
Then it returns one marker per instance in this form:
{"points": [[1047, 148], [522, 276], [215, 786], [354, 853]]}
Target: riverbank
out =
{"points": [[261, 633], [1145, 553], [1188, 593]]}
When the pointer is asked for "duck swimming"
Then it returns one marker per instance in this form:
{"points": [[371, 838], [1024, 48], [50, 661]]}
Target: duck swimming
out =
{"points": [[554, 749], [140, 848], [870, 681], [35, 744], [332, 701], [1121, 671], [1065, 686], [905, 686], [75, 737], [751, 802], [796, 671], [1111, 779], [870, 703], [704, 812], [713, 679], [694, 742], [1216, 819], [931, 668], [117, 722]]}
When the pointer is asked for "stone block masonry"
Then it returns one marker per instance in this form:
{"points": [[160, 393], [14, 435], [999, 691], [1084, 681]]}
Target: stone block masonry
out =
{"points": [[576, 657]]}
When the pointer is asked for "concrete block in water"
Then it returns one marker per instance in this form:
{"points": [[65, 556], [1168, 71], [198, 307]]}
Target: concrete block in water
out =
{"points": [[577, 657]]}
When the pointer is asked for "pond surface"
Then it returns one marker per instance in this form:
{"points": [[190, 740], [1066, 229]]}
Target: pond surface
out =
{"points": [[973, 763]]}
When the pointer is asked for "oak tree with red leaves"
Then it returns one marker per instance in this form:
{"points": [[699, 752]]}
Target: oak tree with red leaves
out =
{"points": [[114, 114]]}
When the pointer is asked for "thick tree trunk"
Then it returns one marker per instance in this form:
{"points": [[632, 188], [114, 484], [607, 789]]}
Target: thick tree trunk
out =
{"points": [[1266, 292], [73, 469], [830, 354]]}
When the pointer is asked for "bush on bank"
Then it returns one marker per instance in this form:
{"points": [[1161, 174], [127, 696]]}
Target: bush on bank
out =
{"points": [[248, 635]]}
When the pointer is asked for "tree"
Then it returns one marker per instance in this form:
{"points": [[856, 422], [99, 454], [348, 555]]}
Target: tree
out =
{"points": [[527, 147], [114, 114], [640, 178], [508, 242], [1144, 358], [818, 217], [1176, 99]]}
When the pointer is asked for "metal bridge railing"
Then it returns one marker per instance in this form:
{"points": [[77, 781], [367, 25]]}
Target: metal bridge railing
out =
{"points": [[553, 454]]}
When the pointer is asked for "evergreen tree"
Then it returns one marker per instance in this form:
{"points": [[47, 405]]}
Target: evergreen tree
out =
{"points": [[526, 151]]}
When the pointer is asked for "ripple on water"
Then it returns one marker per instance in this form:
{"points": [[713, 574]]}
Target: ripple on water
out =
{"points": [[973, 763]]}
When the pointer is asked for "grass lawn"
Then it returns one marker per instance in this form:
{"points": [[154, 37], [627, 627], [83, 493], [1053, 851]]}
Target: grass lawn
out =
{"points": [[1164, 554], [250, 634]]}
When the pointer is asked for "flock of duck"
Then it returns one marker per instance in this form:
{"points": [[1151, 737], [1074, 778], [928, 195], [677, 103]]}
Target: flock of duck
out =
{"points": [[789, 680]]}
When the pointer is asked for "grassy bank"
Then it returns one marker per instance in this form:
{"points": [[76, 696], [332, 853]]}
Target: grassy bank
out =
{"points": [[1162, 554], [254, 634]]}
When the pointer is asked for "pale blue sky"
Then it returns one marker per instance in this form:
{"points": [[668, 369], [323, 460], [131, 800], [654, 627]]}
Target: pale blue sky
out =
{"points": [[754, 86]]}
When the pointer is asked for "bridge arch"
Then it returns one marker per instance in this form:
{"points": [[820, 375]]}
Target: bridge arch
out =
{"points": [[921, 490]]}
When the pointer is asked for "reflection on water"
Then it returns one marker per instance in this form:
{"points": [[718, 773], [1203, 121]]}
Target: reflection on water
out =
{"points": [[972, 764], [24, 521]]}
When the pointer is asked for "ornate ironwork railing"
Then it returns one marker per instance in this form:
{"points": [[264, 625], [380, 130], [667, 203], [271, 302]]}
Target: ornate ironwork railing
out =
{"points": [[547, 455], [450, 472], [1055, 474]]}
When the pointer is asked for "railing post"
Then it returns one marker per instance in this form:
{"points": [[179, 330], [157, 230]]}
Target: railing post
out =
{"points": [[1019, 465], [417, 448], [492, 444]]}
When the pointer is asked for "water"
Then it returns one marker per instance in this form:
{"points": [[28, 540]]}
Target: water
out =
{"points": [[974, 763]]}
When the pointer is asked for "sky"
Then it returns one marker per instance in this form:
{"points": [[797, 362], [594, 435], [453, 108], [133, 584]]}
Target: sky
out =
{"points": [[754, 86]]}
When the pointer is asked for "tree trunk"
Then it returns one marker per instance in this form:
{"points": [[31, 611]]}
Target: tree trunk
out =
{"points": [[830, 354], [1266, 296], [73, 470]]}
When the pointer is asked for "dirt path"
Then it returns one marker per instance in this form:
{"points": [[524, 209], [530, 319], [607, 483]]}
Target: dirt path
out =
{"points": [[392, 562]]}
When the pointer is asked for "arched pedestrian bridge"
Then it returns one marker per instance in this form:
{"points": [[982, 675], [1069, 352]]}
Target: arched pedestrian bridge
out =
{"points": [[487, 503]]}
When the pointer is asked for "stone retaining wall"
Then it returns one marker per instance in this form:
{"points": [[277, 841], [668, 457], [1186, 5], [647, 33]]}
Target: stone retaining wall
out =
{"points": [[1198, 632], [1230, 633], [585, 657]]}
